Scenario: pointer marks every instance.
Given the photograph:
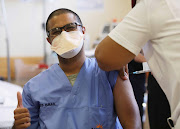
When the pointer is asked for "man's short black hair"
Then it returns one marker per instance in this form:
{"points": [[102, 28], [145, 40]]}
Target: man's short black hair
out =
{"points": [[62, 11]]}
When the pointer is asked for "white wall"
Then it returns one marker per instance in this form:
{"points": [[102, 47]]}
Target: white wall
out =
{"points": [[25, 19]]}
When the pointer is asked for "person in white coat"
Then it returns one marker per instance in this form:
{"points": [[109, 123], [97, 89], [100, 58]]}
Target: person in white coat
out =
{"points": [[153, 25]]}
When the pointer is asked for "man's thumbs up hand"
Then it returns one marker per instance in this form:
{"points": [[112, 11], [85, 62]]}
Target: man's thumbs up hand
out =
{"points": [[21, 115]]}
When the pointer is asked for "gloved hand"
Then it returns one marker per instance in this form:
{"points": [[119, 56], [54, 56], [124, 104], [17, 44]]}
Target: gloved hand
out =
{"points": [[123, 72]]}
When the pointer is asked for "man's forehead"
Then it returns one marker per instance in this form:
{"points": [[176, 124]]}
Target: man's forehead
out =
{"points": [[61, 20]]}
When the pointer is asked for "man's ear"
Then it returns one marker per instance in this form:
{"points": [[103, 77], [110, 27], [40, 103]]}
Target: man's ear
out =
{"points": [[48, 40], [83, 30]]}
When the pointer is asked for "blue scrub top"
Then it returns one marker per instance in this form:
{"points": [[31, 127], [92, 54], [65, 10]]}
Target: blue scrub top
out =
{"points": [[54, 104]]}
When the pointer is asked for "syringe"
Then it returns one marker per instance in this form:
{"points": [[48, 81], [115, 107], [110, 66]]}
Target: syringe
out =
{"points": [[141, 71]]}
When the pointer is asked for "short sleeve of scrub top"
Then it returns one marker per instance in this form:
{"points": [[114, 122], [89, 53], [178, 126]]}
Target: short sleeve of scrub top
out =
{"points": [[134, 30], [112, 78], [28, 103]]}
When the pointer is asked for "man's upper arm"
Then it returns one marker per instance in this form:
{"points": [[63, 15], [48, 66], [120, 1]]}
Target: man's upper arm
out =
{"points": [[125, 104], [125, 41]]}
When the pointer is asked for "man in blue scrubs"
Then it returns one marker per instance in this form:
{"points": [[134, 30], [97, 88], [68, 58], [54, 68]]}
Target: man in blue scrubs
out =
{"points": [[76, 93]]}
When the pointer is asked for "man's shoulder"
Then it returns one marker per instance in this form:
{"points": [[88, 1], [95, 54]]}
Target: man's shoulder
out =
{"points": [[92, 62]]}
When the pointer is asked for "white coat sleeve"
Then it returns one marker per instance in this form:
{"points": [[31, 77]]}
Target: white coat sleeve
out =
{"points": [[134, 30]]}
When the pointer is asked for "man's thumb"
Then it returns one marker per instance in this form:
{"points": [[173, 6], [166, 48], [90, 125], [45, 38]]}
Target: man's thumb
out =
{"points": [[19, 98]]}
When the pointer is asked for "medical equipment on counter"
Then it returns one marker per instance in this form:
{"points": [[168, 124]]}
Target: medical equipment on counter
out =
{"points": [[106, 29]]}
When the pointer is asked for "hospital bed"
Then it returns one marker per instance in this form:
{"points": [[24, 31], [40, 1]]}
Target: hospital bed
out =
{"points": [[8, 102]]}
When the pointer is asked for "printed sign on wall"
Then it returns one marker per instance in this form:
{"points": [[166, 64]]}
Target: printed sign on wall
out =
{"points": [[88, 5]]}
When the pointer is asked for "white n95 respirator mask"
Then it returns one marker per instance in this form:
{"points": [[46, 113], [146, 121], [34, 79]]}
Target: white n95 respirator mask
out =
{"points": [[68, 44]]}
